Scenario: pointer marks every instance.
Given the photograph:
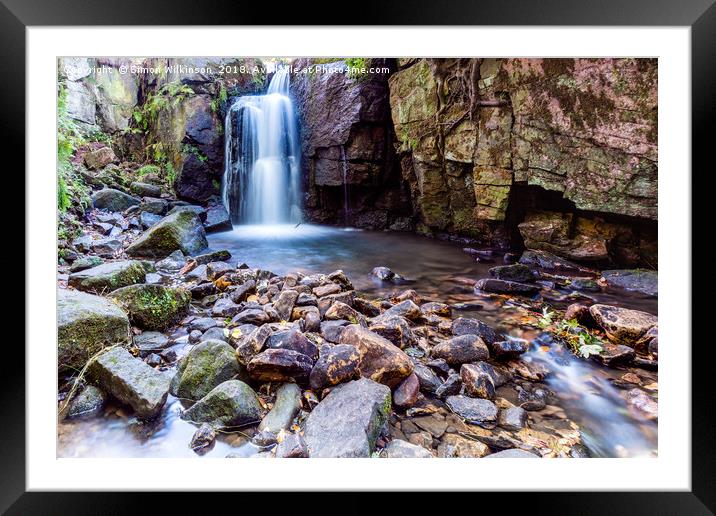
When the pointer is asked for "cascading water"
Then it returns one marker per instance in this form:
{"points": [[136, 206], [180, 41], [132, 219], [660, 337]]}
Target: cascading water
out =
{"points": [[261, 172]]}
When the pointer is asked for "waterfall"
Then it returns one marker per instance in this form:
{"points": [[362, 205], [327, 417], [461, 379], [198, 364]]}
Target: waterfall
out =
{"points": [[345, 184], [262, 154]]}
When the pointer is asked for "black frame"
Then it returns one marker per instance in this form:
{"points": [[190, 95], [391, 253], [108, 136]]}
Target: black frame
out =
{"points": [[700, 15]]}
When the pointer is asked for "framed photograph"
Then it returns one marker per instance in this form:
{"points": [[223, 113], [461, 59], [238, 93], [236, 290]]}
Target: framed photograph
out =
{"points": [[388, 250]]}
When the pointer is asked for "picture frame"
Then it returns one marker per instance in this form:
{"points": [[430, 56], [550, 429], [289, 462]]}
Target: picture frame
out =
{"points": [[700, 15]]}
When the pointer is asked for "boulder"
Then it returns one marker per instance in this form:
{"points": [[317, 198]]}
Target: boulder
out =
{"points": [[478, 384], [88, 402], [280, 365], [284, 304], [406, 309], [173, 262], [145, 189], [153, 205], [461, 349], [637, 280], [399, 449], [336, 365], [217, 219], [108, 276], [465, 326], [230, 404], [515, 272], [507, 349], [294, 340], [181, 230], [207, 364], [622, 325], [86, 324], [86, 262], [385, 274], [149, 341], [339, 311], [221, 255], [251, 344], [99, 158], [113, 200], [131, 381], [153, 307], [285, 408], [505, 287], [380, 359], [474, 410], [396, 329], [147, 219], [348, 421]]}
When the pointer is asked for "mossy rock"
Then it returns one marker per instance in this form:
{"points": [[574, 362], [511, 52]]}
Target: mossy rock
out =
{"points": [[153, 307], [232, 403], [108, 276], [207, 365], [181, 230]]}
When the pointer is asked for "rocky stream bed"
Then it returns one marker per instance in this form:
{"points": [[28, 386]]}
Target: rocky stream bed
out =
{"points": [[175, 344]]}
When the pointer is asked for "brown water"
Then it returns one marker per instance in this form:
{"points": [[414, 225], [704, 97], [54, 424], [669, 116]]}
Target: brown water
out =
{"points": [[437, 270]]}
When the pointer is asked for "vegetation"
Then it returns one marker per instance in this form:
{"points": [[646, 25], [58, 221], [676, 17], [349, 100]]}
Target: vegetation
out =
{"points": [[579, 338], [168, 96]]}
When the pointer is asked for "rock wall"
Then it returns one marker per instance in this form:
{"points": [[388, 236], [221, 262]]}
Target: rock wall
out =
{"points": [[347, 148]]}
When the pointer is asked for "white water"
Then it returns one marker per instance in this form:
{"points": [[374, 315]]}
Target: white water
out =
{"points": [[261, 171]]}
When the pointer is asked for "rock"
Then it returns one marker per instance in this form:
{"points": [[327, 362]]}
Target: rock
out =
{"points": [[106, 247], [85, 262], [465, 326], [99, 158], [399, 449], [579, 313], [252, 343], [508, 349], [348, 421], [153, 307], [113, 200], [217, 219], [88, 402], [207, 364], [622, 325], [155, 206], [584, 285], [461, 349], [516, 272], [332, 330], [643, 404], [615, 354], [455, 446], [200, 211], [513, 418], [406, 309], [215, 333], [327, 289], [429, 381], [147, 220], [546, 260], [280, 365], [251, 316], [203, 439], [499, 375], [439, 309], [221, 255], [292, 447], [241, 292], [637, 280], [505, 287], [131, 381], [225, 308], [450, 387], [381, 361], [145, 189], [284, 304], [478, 384], [153, 360], [108, 276], [474, 410], [197, 274], [203, 290], [341, 311], [181, 230], [149, 341], [173, 262], [215, 270], [285, 408], [406, 394], [532, 399], [294, 340], [396, 329], [513, 453], [86, 324], [230, 404], [264, 439]]}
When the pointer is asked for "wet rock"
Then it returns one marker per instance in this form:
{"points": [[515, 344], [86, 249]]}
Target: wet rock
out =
{"points": [[99, 158], [461, 349], [232, 403], [532, 399], [474, 410], [292, 447], [399, 449], [285, 409], [381, 361], [85, 324], [513, 453], [108, 276], [153, 360], [241, 292], [450, 387], [88, 402], [455, 446], [332, 330], [505, 287], [284, 304], [547, 260], [615, 354], [341, 311], [217, 219], [406, 309], [516, 272], [349, 420], [432, 308], [579, 313], [406, 394], [113, 200], [253, 343], [86, 262], [465, 326], [203, 439], [181, 230], [293, 339], [198, 210], [207, 364], [428, 380], [366, 307], [584, 285], [149, 341], [254, 316], [513, 418], [336, 365], [221, 255], [622, 325], [131, 381], [153, 307], [264, 439], [173, 262], [280, 365], [396, 329], [508, 349], [499, 375], [643, 404], [637, 280], [478, 384], [385, 274], [145, 189]]}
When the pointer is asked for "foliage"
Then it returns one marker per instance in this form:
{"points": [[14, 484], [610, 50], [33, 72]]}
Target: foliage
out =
{"points": [[579, 338], [168, 96], [355, 65], [145, 170], [192, 149], [71, 189]]}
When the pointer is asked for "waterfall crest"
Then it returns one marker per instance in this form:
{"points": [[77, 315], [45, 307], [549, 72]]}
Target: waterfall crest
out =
{"points": [[262, 157]]}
